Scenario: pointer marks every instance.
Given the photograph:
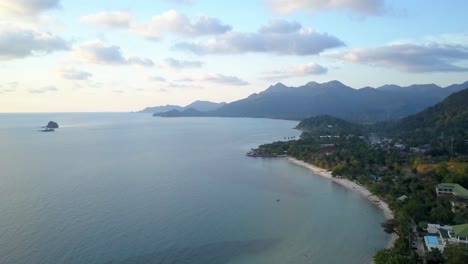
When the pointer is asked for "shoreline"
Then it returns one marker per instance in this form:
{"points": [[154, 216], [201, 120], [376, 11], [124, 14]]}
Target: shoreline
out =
{"points": [[350, 185]]}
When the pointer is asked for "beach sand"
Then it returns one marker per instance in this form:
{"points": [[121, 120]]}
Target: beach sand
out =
{"points": [[354, 187]]}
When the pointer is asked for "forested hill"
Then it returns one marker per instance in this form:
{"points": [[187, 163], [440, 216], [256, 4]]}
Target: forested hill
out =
{"points": [[449, 118], [335, 99], [446, 121], [329, 125]]}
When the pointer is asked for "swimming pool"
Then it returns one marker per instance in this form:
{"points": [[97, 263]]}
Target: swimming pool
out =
{"points": [[432, 240]]}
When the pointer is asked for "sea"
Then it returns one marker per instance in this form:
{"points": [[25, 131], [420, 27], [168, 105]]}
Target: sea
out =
{"points": [[125, 188]]}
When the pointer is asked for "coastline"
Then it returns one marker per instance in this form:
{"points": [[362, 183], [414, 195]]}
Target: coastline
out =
{"points": [[350, 185]]}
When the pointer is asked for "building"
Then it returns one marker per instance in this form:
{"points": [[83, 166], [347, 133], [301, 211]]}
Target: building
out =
{"points": [[400, 146], [459, 195], [439, 235], [402, 198], [460, 233]]}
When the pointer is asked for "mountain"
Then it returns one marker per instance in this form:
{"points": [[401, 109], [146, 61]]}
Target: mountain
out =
{"points": [[336, 99], [201, 106], [160, 109], [204, 106], [449, 117], [190, 112]]}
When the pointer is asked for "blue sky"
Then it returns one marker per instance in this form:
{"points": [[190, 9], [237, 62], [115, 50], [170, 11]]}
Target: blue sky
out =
{"points": [[63, 55]]}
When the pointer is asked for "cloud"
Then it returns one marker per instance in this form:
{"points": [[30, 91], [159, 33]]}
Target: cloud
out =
{"points": [[361, 7], [10, 87], [74, 74], [26, 7], [278, 37], [112, 19], [184, 86], [157, 79], [174, 64], [280, 26], [97, 52], [175, 23], [20, 43], [46, 89], [218, 79], [296, 71], [431, 57], [169, 22], [140, 61]]}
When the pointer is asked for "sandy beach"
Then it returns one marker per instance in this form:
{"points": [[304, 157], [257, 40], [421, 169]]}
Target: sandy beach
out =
{"points": [[354, 187]]}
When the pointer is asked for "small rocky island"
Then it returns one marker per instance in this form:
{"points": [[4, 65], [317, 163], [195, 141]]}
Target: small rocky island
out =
{"points": [[51, 126]]}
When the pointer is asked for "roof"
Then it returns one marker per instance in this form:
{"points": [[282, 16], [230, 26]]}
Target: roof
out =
{"points": [[461, 230], [444, 233], [402, 198], [457, 189]]}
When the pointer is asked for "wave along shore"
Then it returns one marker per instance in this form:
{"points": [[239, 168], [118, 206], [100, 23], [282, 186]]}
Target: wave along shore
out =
{"points": [[354, 187]]}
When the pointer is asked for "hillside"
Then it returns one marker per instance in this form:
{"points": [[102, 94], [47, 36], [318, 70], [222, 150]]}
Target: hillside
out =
{"points": [[449, 118], [190, 112], [336, 99], [160, 109], [201, 106], [328, 125]]}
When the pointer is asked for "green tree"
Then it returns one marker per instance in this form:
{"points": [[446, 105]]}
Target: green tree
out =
{"points": [[434, 256], [390, 256], [456, 253]]}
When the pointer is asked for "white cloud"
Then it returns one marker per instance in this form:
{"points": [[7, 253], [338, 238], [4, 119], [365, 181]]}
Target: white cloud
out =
{"points": [[296, 71], [26, 7], [6, 90], [112, 19], [169, 22], [46, 89], [430, 57], [74, 74], [278, 37], [280, 26], [157, 78], [20, 43], [175, 23], [175, 64], [9, 87], [97, 52], [140, 61], [361, 7], [218, 79]]}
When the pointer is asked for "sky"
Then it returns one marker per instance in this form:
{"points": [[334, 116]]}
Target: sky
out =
{"points": [[125, 55]]}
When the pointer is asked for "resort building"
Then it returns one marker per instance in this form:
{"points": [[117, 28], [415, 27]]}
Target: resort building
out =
{"points": [[457, 192], [460, 233], [439, 235]]}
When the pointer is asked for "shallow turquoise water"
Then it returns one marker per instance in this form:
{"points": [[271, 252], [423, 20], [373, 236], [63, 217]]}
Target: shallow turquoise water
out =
{"points": [[130, 188]]}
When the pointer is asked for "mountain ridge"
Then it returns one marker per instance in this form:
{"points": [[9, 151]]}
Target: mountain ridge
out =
{"points": [[336, 99], [199, 105]]}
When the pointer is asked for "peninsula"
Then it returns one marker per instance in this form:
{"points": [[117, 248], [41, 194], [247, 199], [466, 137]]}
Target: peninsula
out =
{"points": [[415, 170]]}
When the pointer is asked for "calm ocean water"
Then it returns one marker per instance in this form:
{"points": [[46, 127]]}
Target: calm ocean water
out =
{"points": [[129, 188]]}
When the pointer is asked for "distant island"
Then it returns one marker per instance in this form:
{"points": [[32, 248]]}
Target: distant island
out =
{"points": [[50, 127], [368, 104], [416, 166], [198, 105]]}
